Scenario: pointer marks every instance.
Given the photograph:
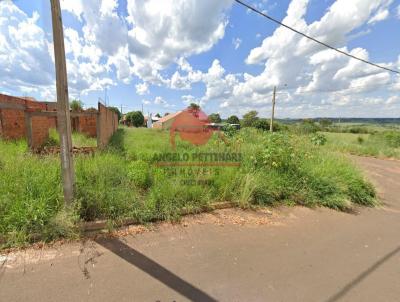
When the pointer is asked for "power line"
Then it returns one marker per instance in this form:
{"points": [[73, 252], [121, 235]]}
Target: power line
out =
{"points": [[342, 90], [313, 39]]}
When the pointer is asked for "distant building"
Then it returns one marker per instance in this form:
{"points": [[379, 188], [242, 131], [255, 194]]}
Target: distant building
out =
{"points": [[150, 120], [166, 121]]}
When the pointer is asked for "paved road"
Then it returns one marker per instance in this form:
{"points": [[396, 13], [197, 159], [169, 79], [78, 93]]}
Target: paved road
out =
{"points": [[293, 255]]}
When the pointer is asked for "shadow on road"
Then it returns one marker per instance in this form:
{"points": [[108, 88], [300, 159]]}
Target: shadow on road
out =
{"points": [[155, 270], [362, 276]]}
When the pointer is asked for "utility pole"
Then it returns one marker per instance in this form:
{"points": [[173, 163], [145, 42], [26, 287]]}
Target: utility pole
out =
{"points": [[63, 114], [271, 126]]}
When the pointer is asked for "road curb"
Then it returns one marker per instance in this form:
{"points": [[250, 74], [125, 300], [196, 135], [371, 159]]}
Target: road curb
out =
{"points": [[102, 225]]}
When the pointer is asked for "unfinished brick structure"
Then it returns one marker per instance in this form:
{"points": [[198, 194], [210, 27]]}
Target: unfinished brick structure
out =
{"points": [[26, 118]]}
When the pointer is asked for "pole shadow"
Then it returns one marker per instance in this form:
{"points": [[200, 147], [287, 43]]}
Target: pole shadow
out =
{"points": [[155, 270], [345, 290]]}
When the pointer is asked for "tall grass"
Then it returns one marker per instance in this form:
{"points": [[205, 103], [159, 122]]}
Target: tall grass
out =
{"points": [[124, 181], [384, 144]]}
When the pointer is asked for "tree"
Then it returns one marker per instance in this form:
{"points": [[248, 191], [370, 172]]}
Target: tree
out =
{"points": [[308, 126], [166, 113], [214, 118], [194, 107], [135, 118], [158, 115], [262, 124], [76, 105], [116, 110], [250, 118], [233, 120]]}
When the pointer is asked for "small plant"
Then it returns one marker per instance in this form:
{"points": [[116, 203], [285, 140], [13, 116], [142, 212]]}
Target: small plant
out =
{"points": [[318, 139], [360, 140]]}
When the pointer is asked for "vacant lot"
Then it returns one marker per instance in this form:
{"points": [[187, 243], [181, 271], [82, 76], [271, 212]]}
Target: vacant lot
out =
{"points": [[380, 142], [125, 181]]}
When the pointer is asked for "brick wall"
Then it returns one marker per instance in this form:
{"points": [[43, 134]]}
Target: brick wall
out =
{"points": [[12, 122], [108, 121], [40, 131], [88, 125]]}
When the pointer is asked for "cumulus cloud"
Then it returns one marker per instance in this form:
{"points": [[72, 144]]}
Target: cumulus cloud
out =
{"points": [[150, 38], [142, 88], [291, 60], [165, 31], [25, 52]]}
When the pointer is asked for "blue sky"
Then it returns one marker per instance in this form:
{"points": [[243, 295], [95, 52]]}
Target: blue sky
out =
{"points": [[163, 55]]}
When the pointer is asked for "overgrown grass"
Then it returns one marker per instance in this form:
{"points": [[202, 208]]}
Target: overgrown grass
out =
{"points": [[384, 144], [78, 139], [124, 181]]}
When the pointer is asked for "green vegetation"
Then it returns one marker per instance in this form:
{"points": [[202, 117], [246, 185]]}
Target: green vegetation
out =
{"points": [[233, 119], [215, 118], [135, 119], [76, 105], [124, 181], [250, 118], [383, 144], [116, 110], [78, 139]]}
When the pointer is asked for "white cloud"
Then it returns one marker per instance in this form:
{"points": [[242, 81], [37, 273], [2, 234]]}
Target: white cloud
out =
{"points": [[398, 11], [161, 102], [236, 43], [24, 52], [292, 60], [379, 16], [74, 7], [142, 88], [395, 99], [165, 31]]}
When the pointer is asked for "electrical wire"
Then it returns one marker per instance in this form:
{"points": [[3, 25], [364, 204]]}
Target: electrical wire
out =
{"points": [[314, 39]]}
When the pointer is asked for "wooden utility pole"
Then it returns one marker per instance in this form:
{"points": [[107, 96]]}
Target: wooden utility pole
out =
{"points": [[63, 114], [271, 126]]}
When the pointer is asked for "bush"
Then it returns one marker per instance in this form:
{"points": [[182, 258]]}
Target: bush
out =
{"points": [[358, 130], [318, 139], [306, 127], [262, 124], [229, 130], [392, 138]]}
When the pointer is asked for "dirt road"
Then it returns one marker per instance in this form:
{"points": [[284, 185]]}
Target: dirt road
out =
{"points": [[293, 255]]}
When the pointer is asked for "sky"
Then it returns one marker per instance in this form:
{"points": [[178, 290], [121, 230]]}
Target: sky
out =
{"points": [[161, 55]]}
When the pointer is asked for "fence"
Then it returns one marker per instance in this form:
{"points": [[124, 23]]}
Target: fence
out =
{"points": [[25, 118]]}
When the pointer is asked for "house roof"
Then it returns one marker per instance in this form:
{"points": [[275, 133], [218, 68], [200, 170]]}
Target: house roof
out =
{"points": [[168, 117]]}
